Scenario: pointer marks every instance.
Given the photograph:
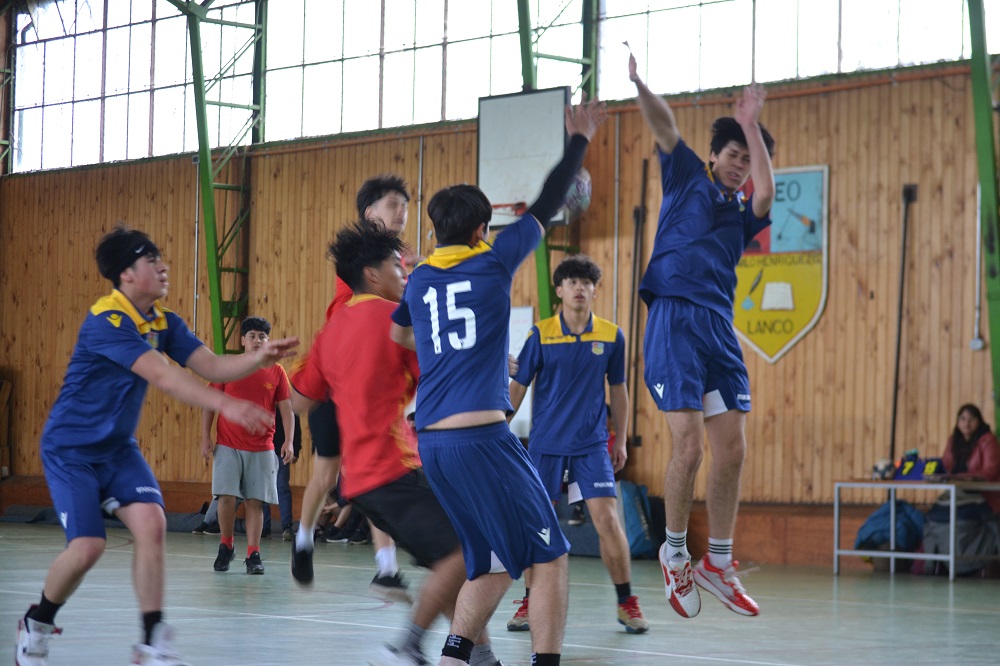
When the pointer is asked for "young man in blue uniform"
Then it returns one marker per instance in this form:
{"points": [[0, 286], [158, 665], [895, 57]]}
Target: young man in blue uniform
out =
{"points": [[89, 450], [455, 313], [693, 363], [569, 357]]}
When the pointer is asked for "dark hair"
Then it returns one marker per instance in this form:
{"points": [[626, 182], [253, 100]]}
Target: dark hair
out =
{"points": [[578, 266], [375, 188], [120, 248], [255, 324], [961, 447], [726, 129], [457, 212], [359, 246]]}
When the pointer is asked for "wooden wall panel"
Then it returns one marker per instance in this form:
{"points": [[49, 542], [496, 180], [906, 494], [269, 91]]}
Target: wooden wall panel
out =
{"points": [[821, 413]]}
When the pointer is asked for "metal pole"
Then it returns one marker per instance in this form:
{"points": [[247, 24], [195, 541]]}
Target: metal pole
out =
{"points": [[909, 196]]}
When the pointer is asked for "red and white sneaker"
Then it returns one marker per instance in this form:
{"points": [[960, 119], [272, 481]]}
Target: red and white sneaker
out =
{"points": [[725, 584], [33, 642], [520, 620], [679, 582]]}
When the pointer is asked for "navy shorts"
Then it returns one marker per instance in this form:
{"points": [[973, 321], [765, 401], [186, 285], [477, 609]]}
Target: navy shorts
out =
{"points": [[80, 489], [494, 497], [693, 359], [590, 475]]}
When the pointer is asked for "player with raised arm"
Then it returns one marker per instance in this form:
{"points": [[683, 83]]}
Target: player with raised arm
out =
{"points": [[693, 362], [455, 313], [89, 449]]}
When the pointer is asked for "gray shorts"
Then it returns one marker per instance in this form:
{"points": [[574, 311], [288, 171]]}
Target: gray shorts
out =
{"points": [[246, 474]]}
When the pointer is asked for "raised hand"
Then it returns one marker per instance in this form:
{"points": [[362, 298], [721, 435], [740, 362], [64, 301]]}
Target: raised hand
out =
{"points": [[248, 415], [586, 117], [273, 351], [748, 107]]}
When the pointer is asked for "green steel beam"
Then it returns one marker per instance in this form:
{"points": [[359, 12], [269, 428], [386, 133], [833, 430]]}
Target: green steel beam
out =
{"points": [[206, 182], [225, 312], [983, 110]]}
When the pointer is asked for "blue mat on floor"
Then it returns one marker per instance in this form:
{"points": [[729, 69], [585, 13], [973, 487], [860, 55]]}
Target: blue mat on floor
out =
{"points": [[46, 515]]}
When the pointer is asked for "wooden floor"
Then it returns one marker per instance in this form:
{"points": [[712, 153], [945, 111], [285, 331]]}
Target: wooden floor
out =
{"points": [[808, 615]]}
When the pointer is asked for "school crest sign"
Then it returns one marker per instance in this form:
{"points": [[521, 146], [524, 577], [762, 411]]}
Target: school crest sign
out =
{"points": [[781, 281]]}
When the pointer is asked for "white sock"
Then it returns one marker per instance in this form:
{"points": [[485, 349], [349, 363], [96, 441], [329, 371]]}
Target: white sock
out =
{"points": [[720, 552], [304, 537], [677, 545], [385, 560]]}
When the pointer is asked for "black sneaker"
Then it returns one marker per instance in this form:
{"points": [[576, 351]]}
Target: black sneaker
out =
{"points": [[226, 555], [578, 517], [254, 566], [287, 534], [213, 529], [200, 529], [302, 565], [334, 534], [392, 588]]}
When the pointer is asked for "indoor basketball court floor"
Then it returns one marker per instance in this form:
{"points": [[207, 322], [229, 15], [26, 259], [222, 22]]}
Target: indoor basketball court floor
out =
{"points": [[808, 616]]}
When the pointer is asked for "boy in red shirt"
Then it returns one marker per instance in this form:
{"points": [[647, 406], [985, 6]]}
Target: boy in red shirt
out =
{"points": [[371, 379], [244, 463]]}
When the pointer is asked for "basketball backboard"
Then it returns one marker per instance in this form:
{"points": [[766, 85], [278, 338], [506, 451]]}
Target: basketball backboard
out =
{"points": [[521, 137]]}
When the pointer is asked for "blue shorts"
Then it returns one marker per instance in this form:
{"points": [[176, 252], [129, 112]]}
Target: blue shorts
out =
{"points": [[693, 359], [590, 475], [493, 496], [80, 489]]}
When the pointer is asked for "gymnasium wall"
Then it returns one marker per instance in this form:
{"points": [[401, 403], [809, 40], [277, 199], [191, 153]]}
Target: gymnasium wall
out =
{"points": [[821, 413]]}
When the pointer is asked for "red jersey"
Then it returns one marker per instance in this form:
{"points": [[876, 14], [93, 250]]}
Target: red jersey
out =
{"points": [[266, 388], [370, 379], [342, 293]]}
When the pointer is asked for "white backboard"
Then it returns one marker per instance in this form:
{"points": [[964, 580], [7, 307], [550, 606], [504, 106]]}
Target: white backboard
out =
{"points": [[521, 137]]}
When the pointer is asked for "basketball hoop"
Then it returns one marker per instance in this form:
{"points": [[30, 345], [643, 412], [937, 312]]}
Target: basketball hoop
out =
{"points": [[506, 213]]}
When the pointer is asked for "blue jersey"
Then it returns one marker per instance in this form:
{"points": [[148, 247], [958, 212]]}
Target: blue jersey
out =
{"points": [[458, 303], [99, 403], [700, 236], [569, 414]]}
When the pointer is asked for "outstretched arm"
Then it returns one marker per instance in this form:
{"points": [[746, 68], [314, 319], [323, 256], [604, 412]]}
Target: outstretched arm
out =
{"points": [[748, 110], [225, 368], [581, 123], [655, 111], [175, 382]]}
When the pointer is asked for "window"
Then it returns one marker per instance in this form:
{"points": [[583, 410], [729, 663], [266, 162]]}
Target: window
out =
{"points": [[103, 80]]}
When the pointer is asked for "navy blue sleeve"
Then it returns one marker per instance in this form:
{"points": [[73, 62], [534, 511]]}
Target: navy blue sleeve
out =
{"points": [[616, 364], [529, 361], [558, 181], [180, 342]]}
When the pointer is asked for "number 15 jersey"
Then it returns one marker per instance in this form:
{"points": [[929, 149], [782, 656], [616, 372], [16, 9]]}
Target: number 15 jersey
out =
{"points": [[458, 303]]}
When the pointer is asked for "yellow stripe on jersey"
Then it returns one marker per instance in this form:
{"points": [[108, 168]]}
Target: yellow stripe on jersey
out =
{"points": [[551, 332], [448, 256], [117, 302]]}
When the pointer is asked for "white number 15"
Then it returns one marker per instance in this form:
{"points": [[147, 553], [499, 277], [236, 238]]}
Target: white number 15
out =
{"points": [[454, 313]]}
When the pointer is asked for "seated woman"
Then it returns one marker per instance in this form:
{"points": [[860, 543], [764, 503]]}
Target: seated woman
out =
{"points": [[973, 452]]}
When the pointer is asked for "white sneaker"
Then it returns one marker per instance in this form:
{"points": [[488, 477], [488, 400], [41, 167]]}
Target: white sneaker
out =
{"points": [[33, 642], [726, 585], [161, 652], [678, 579]]}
